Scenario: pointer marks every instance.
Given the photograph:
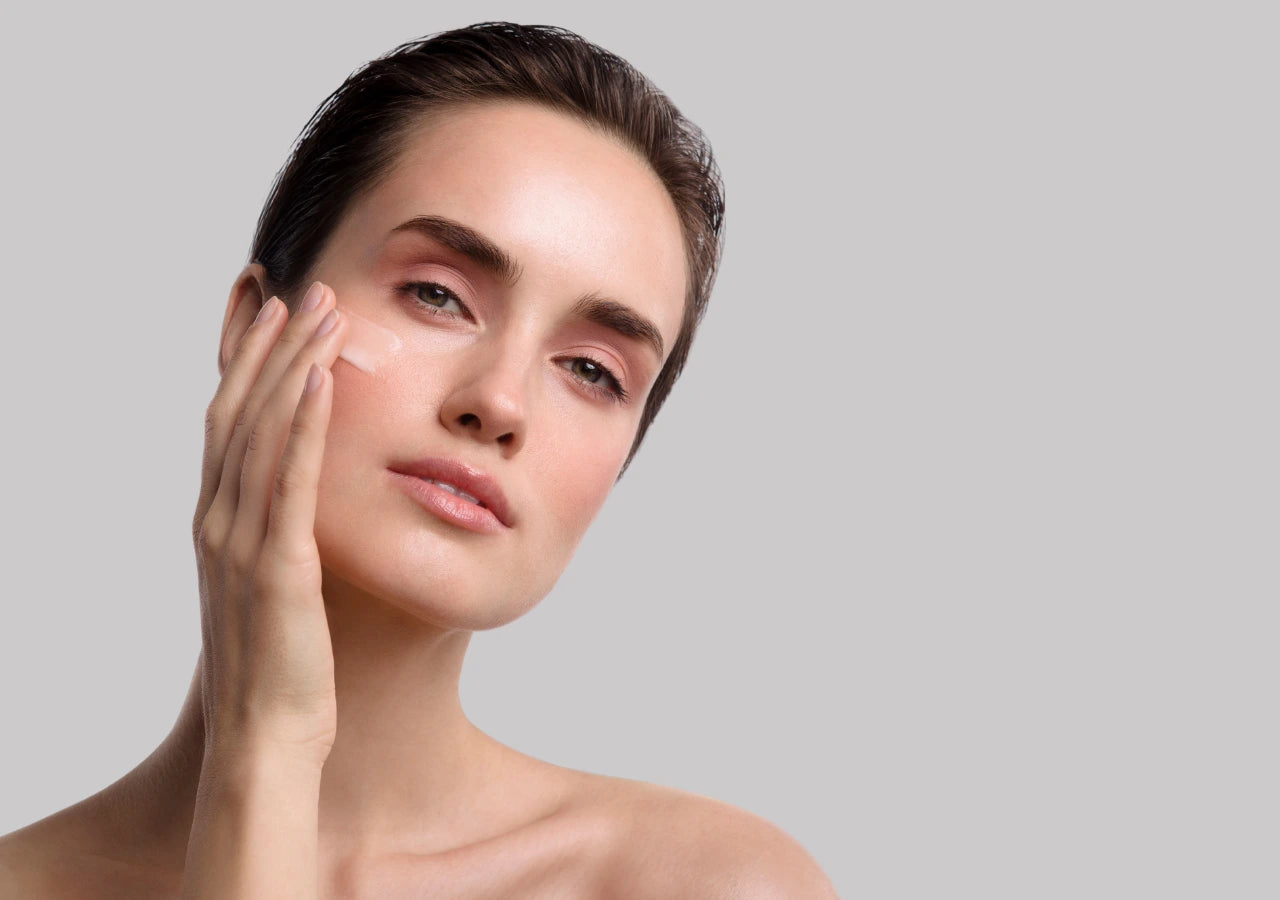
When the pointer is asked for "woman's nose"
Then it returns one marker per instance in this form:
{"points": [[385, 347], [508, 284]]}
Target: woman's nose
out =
{"points": [[489, 405]]}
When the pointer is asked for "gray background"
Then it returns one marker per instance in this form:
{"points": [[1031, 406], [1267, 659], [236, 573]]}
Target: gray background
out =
{"points": [[953, 551]]}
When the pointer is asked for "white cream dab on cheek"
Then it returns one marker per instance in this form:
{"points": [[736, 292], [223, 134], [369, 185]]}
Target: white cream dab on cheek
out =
{"points": [[368, 344]]}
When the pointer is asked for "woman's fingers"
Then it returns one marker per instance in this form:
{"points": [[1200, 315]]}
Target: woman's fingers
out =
{"points": [[272, 430], [248, 418], [238, 379], [290, 534]]}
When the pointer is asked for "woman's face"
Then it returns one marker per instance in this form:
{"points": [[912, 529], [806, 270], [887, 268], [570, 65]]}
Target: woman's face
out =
{"points": [[520, 256]]}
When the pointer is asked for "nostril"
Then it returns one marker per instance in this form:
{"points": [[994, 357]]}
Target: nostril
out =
{"points": [[506, 439], [468, 419]]}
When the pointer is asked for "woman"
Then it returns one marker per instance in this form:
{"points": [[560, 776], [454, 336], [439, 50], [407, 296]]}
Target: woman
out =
{"points": [[471, 289]]}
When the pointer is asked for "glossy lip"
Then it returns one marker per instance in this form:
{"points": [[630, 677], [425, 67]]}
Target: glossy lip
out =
{"points": [[496, 514]]}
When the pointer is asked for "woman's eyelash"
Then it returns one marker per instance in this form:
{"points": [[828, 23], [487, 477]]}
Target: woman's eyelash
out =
{"points": [[416, 289]]}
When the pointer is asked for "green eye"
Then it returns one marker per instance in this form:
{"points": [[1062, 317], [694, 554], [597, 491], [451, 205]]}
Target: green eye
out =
{"points": [[596, 377], [587, 370], [434, 297]]}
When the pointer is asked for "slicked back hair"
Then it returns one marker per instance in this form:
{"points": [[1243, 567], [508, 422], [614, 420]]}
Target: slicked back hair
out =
{"points": [[354, 138]]}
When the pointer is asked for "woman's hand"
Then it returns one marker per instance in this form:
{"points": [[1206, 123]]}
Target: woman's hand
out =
{"points": [[267, 655]]}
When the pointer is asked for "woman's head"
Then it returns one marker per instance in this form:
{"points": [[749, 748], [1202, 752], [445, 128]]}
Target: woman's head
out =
{"points": [[356, 135], [543, 268]]}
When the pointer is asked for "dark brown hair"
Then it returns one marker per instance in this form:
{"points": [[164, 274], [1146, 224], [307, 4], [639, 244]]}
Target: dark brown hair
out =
{"points": [[354, 137]]}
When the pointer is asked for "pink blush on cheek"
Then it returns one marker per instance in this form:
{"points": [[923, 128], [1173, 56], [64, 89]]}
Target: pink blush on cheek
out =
{"points": [[368, 344]]}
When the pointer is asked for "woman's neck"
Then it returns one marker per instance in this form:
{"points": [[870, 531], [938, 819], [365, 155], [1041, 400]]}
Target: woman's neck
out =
{"points": [[408, 772]]}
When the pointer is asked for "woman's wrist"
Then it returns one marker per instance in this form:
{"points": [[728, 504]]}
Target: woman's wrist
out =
{"points": [[246, 753], [250, 767], [256, 826]]}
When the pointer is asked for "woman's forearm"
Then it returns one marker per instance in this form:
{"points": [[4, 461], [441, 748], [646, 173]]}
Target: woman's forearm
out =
{"points": [[255, 830]]}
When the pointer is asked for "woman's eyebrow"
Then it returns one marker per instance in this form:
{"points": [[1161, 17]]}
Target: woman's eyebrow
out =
{"points": [[466, 241], [470, 243], [620, 318]]}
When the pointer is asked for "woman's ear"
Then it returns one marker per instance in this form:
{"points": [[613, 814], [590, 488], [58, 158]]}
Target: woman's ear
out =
{"points": [[248, 293]]}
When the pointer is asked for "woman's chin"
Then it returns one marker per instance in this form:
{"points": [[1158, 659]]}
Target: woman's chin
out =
{"points": [[440, 594]]}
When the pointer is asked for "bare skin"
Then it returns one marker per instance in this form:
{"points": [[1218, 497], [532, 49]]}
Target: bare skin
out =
{"points": [[340, 719], [571, 834]]}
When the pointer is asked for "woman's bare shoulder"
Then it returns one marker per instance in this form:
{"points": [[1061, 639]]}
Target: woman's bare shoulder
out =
{"points": [[668, 843], [53, 858], [24, 866], [36, 861]]}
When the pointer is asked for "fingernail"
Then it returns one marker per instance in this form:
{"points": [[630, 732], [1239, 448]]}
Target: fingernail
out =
{"points": [[313, 379], [267, 311], [312, 299], [327, 322]]}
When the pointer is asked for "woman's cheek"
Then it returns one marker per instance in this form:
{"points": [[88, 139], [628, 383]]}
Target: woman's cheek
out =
{"points": [[582, 472], [407, 382]]}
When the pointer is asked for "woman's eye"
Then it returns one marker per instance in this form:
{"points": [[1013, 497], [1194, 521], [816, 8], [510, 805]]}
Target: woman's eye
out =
{"points": [[436, 296], [596, 376], [587, 370]]}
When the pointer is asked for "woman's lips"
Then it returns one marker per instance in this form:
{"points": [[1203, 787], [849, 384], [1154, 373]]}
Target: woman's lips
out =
{"points": [[462, 478], [448, 506]]}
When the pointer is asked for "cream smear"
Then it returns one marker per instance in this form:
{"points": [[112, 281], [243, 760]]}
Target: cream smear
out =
{"points": [[368, 344]]}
